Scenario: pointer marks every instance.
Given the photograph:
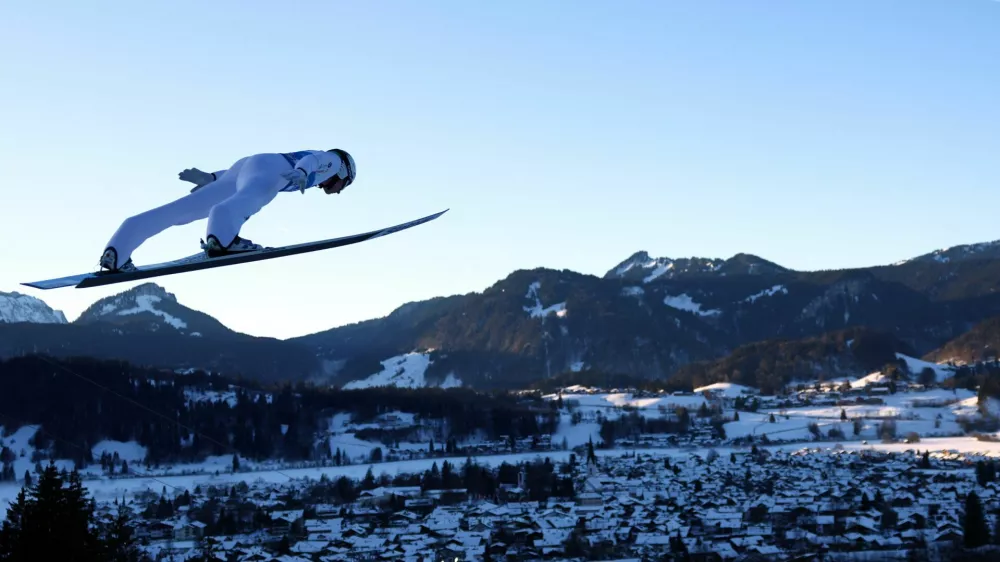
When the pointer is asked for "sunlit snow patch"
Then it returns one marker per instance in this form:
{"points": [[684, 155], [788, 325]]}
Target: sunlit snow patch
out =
{"points": [[127, 450], [767, 293], [537, 311], [633, 291], [660, 270], [145, 303], [404, 371], [727, 389], [941, 372], [686, 303]]}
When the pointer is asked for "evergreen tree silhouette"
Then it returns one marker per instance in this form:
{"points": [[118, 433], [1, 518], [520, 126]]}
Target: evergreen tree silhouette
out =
{"points": [[120, 542], [51, 520], [974, 525]]}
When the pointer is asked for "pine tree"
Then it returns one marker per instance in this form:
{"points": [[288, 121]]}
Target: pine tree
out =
{"points": [[51, 520], [369, 482], [447, 476], [974, 525], [120, 542]]}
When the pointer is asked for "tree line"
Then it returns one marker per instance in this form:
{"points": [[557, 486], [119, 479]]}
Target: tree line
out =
{"points": [[78, 402]]}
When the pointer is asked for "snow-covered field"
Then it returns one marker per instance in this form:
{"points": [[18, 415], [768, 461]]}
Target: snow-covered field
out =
{"points": [[727, 389], [933, 414], [405, 371], [341, 434], [19, 442], [578, 434], [916, 365], [129, 451], [108, 489], [593, 407], [651, 406]]}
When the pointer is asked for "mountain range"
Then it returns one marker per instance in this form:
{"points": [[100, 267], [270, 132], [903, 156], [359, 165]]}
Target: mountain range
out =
{"points": [[646, 317]]}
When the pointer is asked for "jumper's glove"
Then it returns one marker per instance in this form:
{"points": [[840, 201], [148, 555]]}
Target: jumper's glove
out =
{"points": [[197, 177], [297, 177]]}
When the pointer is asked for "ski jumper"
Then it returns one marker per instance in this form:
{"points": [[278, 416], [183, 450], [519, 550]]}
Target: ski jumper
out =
{"points": [[237, 194]]}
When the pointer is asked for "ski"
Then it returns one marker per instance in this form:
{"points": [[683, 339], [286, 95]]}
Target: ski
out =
{"points": [[201, 260]]}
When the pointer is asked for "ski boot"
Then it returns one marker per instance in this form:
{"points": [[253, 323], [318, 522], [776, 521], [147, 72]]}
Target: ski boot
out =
{"points": [[239, 245], [110, 258]]}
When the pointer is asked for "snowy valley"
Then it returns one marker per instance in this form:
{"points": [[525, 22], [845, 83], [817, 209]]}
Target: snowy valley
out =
{"points": [[598, 472]]}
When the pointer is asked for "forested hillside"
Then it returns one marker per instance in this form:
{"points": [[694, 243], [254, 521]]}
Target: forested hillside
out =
{"points": [[186, 417]]}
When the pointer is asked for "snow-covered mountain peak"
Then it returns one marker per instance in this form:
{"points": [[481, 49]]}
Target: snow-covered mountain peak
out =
{"points": [[639, 259], [650, 268], [152, 290], [147, 304], [18, 307], [979, 250], [640, 267]]}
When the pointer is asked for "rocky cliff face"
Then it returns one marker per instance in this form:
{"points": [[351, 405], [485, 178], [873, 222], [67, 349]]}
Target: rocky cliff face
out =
{"points": [[16, 307]]}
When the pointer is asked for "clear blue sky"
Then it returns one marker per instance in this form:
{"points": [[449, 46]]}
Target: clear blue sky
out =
{"points": [[567, 134]]}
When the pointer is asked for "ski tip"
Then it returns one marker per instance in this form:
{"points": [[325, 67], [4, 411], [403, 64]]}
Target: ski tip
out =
{"points": [[44, 286]]}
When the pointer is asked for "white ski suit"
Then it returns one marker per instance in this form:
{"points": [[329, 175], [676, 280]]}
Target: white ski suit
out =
{"points": [[230, 200]]}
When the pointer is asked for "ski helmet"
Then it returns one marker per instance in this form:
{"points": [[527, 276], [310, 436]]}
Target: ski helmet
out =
{"points": [[347, 171]]}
